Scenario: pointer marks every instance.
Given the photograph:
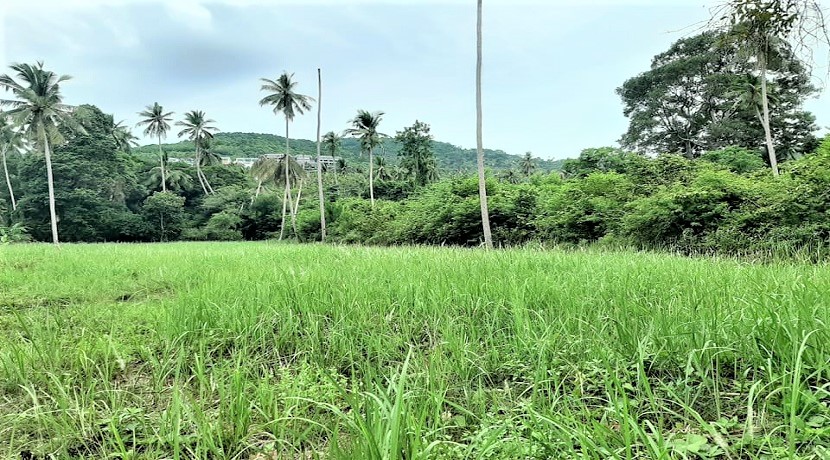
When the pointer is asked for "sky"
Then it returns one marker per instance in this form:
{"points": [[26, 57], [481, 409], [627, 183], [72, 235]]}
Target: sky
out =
{"points": [[550, 67]]}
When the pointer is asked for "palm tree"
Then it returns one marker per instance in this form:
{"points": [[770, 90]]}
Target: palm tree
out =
{"points": [[289, 171], [331, 144], [157, 124], [284, 99], [482, 181], [177, 179], [365, 128], [320, 163], [510, 176], [10, 141], [527, 165], [123, 137], [279, 170], [198, 129], [40, 109], [382, 171]]}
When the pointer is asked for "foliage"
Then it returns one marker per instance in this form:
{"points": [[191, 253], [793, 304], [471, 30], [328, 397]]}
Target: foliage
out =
{"points": [[451, 159], [686, 102], [166, 211], [416, 155], [16, 233]]}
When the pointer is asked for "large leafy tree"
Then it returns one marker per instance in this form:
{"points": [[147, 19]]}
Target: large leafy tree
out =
{"points": [[156, 123], [124, 139], [10, 141], [38, 107], [365, 129], [416, 153], [482, 181], [97, 186], [199, 129], [685, 103], [282, 97], [764, 32]]}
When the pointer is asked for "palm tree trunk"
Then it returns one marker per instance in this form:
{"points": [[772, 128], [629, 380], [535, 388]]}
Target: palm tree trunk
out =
{"points": [[285, 199], [287, 180], [371, 178], [482, 180], [258, 190], [163, 175], [50, 181], [198, 162], [296, 209], [773, 159], [319, 165], [8, 178]]}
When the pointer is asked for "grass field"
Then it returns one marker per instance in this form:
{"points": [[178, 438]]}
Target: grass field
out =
{"points": [[257, 350]]}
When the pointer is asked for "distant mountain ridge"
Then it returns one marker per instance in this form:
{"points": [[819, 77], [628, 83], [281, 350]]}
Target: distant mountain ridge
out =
{"points": [[450, 158]]}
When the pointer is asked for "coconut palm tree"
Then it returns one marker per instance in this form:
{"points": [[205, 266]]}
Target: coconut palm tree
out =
{"points": [[271, 169], [482, 181], [382, 170], [527, 165], [331, 144], [39, 108], [365, 128], [289, 171], [123, 137], [157, 123], [177, 178], [10, 141], [197, 127], [282, 96]]}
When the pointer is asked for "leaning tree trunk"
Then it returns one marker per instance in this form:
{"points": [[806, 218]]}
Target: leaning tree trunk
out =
{"points": [[482, 181], [163, 173], [8, 178], [295, 209], [198, 164], [773, 159], [319, 164], [50, 181], [285, 199], [371, 178]]}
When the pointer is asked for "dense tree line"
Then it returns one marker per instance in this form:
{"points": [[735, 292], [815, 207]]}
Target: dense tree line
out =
{"points": [[697, 171]]}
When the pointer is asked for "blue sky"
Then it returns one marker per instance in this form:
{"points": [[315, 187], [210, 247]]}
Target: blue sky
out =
{"points": [[550, 70]]}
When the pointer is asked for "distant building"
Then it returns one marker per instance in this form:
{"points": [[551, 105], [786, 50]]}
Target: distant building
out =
{"points": [[245, 162], [308, 162], [188, 161], [226, 160]]}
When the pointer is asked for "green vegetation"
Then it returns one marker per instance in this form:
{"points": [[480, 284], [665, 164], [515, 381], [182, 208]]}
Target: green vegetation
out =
{"points": [[227, 350], [450, 158]]}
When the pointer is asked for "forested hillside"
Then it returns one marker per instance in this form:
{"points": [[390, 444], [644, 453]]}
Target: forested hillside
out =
{"points": [[450, 158]]}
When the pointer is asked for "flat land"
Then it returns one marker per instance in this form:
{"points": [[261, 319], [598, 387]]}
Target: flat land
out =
{"points": [[263, 351]]}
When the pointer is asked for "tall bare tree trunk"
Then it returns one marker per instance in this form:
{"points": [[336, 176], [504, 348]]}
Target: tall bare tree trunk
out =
{"points": [[50, 181], [163, 173], [773, 159], [319, 164], [482, 181], [8, 178], [371, 177]]}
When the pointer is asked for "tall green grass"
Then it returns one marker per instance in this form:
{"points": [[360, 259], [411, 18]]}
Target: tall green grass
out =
{"points": [[257, 350]]}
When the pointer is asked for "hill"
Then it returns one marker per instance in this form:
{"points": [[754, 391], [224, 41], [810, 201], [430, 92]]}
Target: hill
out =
{"points": [[242, 145]]}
